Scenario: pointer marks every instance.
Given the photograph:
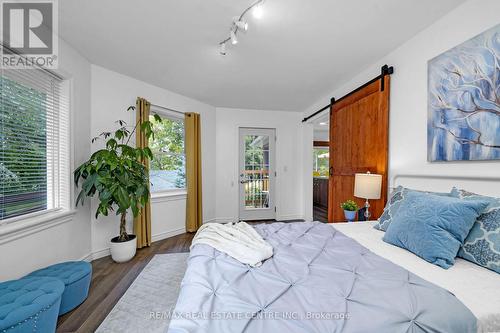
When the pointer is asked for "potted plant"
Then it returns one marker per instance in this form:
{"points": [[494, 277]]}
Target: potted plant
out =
{"points": [[350, 208], [120, 180]]}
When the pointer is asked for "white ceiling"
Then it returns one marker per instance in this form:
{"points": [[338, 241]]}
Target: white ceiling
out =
{"points": [[296, 53]]}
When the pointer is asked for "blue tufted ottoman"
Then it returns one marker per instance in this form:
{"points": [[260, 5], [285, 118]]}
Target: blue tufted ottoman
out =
{"points": [[76, 276], [30, 304]]}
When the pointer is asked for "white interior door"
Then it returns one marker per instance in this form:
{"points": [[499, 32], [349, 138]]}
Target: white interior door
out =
{"points": [[257, 173]]}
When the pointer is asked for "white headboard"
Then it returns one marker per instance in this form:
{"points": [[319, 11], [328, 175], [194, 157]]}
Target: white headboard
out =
{"points": [[443, 183]]}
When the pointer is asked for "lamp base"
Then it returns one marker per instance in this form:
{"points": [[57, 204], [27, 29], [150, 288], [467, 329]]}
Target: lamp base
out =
{"points": [[367, 212]]}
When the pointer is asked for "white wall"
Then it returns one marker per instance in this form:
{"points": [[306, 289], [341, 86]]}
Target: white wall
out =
{"points": [[288, 160], [408, 102], [111, 94], [323, 135], [69, 240], [307, 169]]}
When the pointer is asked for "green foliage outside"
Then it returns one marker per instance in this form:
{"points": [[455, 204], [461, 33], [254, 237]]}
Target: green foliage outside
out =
{"points": [[320, 161], [167, 147], [254, 150], [256, 162], [23, 161]]}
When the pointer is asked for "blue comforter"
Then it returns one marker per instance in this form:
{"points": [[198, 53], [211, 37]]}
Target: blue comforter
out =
{"points": [[318, 280]]}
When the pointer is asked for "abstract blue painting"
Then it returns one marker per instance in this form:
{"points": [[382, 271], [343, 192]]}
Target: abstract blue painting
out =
{"points": [[464, 101]]}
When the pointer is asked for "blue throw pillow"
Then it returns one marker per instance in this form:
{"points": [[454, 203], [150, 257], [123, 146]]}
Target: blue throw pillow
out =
{"points": [[395, 199], [482, 245], [433, 227]]}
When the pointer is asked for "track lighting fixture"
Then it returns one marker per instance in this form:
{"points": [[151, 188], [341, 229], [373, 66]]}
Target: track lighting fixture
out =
{"points": [[234, 40], [239, 24], [222, 49]]}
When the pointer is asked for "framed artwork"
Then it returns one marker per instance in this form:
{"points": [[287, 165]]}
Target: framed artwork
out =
{"points": [[464, 101]]}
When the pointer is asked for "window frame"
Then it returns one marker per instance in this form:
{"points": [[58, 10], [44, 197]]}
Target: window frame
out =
{"points": [[172, 193], [23, 225]]}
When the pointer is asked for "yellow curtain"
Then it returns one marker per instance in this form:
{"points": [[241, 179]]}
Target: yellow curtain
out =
{"points": [[142, 223], [193, 171]]}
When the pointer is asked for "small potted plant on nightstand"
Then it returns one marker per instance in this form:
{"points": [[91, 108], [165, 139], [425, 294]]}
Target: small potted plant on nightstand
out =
{"points": [[350, 208]]}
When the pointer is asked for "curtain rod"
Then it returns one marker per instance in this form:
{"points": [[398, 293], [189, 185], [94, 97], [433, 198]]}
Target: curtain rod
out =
{"points": [[168, 109], [385, 70]]}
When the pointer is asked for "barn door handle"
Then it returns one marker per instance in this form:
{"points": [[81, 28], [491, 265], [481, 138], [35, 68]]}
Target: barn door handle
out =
{"points": [[331, 171]]}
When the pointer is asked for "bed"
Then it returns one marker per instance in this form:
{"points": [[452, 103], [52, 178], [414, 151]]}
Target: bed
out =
{"points": [[476, 287], [333, 278], [325, 278]]}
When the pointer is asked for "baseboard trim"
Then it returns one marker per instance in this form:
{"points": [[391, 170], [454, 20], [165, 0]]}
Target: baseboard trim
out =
{"points": [[289, 217], [154, 238], [278, 218], [168, 234], [225, 219], [87, 258], [97, 255]]}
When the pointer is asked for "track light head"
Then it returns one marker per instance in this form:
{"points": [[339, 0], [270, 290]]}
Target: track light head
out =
{"points": [[222, 49], [240, 24], [257, 11], [234, 40]]}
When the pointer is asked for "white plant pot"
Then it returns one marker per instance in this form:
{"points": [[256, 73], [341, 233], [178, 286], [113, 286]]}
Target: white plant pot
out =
{"points": [[123, 251]]}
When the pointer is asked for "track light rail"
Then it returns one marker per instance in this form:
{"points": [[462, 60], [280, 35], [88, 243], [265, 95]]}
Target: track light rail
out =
{"points": [[237, 25]]}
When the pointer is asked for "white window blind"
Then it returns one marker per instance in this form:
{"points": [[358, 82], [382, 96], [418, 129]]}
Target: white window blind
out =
{"points": [[34, 144]]}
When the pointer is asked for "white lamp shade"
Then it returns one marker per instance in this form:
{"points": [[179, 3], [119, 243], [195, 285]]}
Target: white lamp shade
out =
{"points": [[367, 185]]}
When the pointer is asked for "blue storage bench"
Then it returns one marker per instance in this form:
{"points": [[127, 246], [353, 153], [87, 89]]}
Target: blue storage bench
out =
{"points": [[76, 276], [30, 304]]}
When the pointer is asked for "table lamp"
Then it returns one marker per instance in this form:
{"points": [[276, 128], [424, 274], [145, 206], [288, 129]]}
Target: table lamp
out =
{"points": [[367, 186]]}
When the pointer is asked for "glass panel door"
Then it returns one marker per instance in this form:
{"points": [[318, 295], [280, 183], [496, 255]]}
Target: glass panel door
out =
{"points": [[257, 175]]}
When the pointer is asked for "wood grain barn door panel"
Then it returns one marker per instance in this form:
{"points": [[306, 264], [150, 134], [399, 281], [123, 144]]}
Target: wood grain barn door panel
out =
{"points": [[358, 143]]}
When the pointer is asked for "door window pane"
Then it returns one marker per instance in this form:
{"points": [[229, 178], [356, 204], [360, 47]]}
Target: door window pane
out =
{"points": [[256, 177]]}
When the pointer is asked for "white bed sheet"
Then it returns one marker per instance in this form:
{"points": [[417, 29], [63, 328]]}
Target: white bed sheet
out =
{"points": [[477, 287]]}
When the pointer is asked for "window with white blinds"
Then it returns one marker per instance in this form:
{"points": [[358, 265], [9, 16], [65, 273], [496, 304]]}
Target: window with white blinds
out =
{"points": [[34, 144]]}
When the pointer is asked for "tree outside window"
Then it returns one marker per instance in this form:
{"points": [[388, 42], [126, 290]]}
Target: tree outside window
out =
{"points": [[321, 159], [23, 161], [167, 168]]}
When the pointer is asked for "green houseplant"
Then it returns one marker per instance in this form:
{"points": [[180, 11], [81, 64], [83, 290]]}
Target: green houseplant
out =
{"points": [[350, 208], [118, 177]]}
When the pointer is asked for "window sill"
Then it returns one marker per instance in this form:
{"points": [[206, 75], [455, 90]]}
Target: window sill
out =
{"points": [[24, 227], [171, 195]]}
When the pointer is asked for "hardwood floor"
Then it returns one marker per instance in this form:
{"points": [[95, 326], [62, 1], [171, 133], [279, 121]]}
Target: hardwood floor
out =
{"points": [[320, 213], [111, 280]]}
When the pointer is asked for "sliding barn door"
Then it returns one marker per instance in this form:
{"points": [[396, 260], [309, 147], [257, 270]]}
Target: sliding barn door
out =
{"points": [[358, 143]]}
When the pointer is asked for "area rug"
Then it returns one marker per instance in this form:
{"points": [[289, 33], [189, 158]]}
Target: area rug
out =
{"points": [[148, 302]]}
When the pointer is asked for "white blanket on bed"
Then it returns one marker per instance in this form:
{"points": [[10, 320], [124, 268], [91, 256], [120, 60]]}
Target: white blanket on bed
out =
{"points": [[238, 240]]}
